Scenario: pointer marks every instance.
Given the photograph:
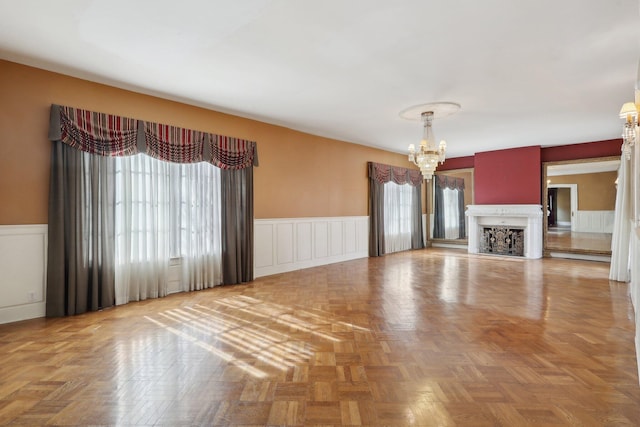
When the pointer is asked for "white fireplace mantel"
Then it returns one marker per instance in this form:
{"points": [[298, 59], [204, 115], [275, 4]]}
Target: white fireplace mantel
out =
{"points": [[528, 217]]}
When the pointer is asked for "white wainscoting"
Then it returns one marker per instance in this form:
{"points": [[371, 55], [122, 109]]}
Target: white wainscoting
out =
{"points": [[282, 245], [23, 270], [634, 285], [594, 221]]}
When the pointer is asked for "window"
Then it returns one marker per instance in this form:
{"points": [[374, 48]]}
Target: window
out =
{"points": [[398, 216], [166, 203], [165, 211]]}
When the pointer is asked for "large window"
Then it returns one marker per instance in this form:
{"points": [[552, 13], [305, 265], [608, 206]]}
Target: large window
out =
{"points": [[155, 198], [165, 211], [128, 198], [398, 216], [395, 209]]}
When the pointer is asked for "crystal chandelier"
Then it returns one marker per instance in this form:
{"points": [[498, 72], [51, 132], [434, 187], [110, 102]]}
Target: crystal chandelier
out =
{"points": [[428, 154]]}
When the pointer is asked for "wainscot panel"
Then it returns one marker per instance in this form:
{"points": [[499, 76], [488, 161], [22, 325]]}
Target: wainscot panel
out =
{"points": [[299, 243], [594, 221], [23, 267]]}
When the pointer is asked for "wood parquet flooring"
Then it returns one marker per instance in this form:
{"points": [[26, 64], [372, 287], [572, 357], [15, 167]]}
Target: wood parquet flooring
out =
{"points": [[434, 337]]}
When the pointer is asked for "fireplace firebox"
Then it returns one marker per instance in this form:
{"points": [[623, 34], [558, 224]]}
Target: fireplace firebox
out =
{"points": [[502, 241]]}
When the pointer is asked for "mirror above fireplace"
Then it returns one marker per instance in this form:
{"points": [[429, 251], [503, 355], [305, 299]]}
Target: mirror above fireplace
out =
{"points": [[449, 194]]}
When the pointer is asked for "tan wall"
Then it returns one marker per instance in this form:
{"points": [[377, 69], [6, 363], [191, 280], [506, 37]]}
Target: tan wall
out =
{"points": [[596, 191], [300, 175]]}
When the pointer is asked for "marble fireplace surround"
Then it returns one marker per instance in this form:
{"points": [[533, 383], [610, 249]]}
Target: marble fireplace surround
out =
{"points": [[528, 217]]}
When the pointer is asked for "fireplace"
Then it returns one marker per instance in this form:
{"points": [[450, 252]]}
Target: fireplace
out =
{"points": [[509, 230]]}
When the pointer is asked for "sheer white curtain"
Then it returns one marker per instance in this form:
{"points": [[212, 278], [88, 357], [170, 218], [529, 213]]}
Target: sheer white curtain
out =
{"points": [[142, 205], [620, 239], [398, 216], [165, 210], [200, 226], [451, 214]]}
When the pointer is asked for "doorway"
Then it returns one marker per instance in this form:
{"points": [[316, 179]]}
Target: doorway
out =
{"points": [[562, 205]]}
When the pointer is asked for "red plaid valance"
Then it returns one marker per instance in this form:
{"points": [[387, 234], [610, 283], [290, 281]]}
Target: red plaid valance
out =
{"points": [[109, 135], [385, 173], [232, 153], [450, 182], [173, 144], [95, 133]]}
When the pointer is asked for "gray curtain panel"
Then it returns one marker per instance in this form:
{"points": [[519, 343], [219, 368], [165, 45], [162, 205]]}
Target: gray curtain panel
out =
{"points": [[461, 215], [376, 214], [417, 240], [80, 274], [237, 225], [438, 209]]}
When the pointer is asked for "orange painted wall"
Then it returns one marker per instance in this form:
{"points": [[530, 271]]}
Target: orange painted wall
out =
{"points": [[596, 191], [300, 175]]}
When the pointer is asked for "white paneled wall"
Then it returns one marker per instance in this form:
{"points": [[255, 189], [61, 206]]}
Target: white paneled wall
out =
{"points": [[594, 221], [282, 245], [634, 286], [23, 269]]}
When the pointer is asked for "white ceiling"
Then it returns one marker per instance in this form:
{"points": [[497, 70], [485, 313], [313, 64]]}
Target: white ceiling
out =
{"points": [[526, 72]]}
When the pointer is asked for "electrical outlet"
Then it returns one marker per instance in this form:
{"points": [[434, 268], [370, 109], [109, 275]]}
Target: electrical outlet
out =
{"points": [[32, 296]]}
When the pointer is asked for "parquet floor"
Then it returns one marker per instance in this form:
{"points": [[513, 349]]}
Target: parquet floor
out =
{"points": [[424, 338]]}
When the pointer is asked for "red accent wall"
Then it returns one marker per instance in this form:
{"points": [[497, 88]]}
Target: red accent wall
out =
{"points": [[511, 176], [457, 163], [587, 150]]}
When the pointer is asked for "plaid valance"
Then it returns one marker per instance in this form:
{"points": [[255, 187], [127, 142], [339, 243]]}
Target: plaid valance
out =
{"points": [[232, 153], [110, 135], [450, 182], [385, 173], [173, 144], [95, 133]]}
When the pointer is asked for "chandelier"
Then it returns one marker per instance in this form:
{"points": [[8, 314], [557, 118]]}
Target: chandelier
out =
{"points": [[429, 153]]}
